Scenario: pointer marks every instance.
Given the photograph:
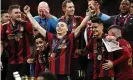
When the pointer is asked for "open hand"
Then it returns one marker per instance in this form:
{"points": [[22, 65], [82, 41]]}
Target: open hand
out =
{"points": [[45, 12], [108, 65]]}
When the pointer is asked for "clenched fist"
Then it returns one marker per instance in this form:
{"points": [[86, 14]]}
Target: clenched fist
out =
{"points": [[26, 9]]}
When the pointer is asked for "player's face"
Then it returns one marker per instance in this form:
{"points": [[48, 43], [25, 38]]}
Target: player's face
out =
{"points": [[69, 9], [96, 28], [40, 44], [124, 6], [61, 28], [15, 14]]}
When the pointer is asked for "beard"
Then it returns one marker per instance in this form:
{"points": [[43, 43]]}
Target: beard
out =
{"points": [[19, 20]]}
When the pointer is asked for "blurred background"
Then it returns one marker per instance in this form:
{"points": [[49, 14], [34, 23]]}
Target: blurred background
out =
{"points": [[110, 7]]}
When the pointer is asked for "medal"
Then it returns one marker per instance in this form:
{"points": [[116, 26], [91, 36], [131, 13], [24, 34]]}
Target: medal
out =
{"points": [[21, 29], [9, 37], [20, 35], [130, 61], [40, 61], [52, 54], [46, 70], [95, 51], [99, 57], [17, 38]]}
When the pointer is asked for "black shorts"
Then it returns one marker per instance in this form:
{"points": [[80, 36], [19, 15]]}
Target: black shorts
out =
{"points": [[78, 66], [62, 77]]}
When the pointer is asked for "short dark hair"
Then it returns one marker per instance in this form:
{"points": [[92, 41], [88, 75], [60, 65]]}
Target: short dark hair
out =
{"points": [[96, 19], [65, 2], [3, 11], [16, 6], [98, 1], [39, 36], [47, 75]]}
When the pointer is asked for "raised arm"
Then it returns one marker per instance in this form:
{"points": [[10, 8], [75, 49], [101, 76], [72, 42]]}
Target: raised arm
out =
{"points": [[34, 23], [82, 25], [101, 15]]}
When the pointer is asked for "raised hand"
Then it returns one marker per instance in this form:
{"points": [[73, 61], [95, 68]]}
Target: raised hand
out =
{"points": [[26, 9], [89, 13], [45, 12]]}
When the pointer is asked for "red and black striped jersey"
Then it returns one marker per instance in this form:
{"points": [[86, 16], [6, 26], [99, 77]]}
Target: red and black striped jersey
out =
{"points": [[61, 57], [99, 54], [72, 25], [41, 61], [18, 41], [123, 61]]}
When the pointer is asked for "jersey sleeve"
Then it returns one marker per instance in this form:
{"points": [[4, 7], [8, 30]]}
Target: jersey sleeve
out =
{"points": [[126, 52]]}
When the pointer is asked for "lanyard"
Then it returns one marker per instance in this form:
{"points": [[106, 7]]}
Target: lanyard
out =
{"points": [[125, 21], [55, 44], [71, 23]]}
